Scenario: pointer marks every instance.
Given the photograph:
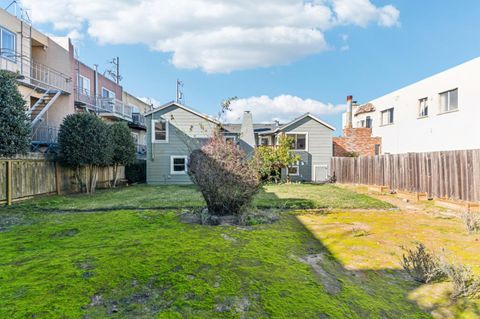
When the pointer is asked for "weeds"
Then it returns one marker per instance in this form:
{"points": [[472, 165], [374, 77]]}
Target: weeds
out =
{"points": [[421, 265], [471, 222]]}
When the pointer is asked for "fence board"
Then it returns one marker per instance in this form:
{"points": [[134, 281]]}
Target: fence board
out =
{"points": [[452, 174], [35, 175]]}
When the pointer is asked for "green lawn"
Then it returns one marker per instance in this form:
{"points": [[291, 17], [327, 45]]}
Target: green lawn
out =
{"points": [[124, 254]]}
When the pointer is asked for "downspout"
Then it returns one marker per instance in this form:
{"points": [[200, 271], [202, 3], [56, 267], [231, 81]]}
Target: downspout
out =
{"points": [[95, 85]]}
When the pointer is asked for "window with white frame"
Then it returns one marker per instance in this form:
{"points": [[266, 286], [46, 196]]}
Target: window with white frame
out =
{"points": [[83, 85], [230, 139], [264, 140], [387, 116], [293, 170], [106, 93], [178, 165], [449, 101], [8, 44], [423, 107], [299, 141], [160, 131], [368, 122]]}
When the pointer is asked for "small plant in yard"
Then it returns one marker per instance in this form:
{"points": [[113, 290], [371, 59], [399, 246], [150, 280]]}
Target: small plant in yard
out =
{"points": [[225, 177], [14, 122], [471, 221], [124, 152], [421, 265]]}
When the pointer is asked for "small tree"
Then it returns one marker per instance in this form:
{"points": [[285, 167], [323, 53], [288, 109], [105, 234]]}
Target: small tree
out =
{"points": [[271, 160], [124, 152], [226, 179], [84, 141], [14, 123]]}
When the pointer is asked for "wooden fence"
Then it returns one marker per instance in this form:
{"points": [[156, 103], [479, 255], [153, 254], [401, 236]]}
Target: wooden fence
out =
{"points": [[452, 174], [32, 175]]}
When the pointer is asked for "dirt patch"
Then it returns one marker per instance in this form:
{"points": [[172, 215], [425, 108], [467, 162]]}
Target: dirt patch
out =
{"points": [[250, 218], [329, 281]]}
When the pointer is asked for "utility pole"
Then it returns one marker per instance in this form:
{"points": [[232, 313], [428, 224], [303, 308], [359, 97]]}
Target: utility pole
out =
{"points": [[115, 74]]}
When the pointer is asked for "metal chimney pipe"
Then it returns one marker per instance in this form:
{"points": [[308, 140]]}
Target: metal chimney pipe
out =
{"points": [[349, 111]]}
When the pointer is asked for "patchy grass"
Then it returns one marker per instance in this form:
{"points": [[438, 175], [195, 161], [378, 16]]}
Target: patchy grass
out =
{"points": [[98, 257], [380, 248]]}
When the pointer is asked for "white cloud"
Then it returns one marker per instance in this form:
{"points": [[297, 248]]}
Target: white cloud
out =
{"points": [[283, 108], [214, 35]]}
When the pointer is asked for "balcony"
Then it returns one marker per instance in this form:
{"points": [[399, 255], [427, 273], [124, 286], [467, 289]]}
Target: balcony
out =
{"points": [[113, 108], [83, 98], [138, 121], [44, 134], [34, 74]]}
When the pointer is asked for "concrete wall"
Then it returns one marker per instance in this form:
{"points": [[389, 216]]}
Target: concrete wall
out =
{"points": [[457, 130], [315, 160], [186, 133]]}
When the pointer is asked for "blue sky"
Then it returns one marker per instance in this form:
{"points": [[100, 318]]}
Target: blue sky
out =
{"points": [[365, 58]]}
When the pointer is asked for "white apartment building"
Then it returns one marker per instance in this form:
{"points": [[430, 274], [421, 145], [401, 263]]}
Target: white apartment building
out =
{"points": [[440, 113]]}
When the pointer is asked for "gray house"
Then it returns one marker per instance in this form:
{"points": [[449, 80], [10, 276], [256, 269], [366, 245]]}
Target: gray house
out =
{"points": [[174, 130]]}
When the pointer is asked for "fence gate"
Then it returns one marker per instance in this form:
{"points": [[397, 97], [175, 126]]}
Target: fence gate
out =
{"points": [[320, 173]]}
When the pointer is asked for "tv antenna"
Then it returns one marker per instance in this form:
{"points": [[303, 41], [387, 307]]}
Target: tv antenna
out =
{"points": [[180, 97], [19, 11], [115, 73]]}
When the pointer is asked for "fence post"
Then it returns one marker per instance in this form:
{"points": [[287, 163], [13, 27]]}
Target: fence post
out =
{"points": [[9, 182], [58, 180]]}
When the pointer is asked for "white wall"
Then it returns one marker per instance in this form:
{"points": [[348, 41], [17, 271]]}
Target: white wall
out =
{"points": [[457, 130]]}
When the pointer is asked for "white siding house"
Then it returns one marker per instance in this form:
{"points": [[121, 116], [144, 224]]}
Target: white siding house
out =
{"points": [[439, 113]]}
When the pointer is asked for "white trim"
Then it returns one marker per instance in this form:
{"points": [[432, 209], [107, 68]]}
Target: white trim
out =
{"points": [[281, 128], [85, 91], [294, 166], [260, 138], [234, 137], [206, 117], [306, 140], [172, 158], [167, 125], [14, 58]]}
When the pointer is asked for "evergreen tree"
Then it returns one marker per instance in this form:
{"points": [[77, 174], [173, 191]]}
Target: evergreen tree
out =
{"points": [[14, 123], [124, 149]]}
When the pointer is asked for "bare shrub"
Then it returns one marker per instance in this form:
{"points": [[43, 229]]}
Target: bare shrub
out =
{"points": [[226, 178], [471, 222], [421, 265], [465, 283]]}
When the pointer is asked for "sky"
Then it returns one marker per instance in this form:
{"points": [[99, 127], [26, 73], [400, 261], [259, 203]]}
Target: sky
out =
{"points": [[281, 58]]}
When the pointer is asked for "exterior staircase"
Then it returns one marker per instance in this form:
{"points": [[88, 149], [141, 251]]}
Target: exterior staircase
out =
{"points": [[38, 110]]}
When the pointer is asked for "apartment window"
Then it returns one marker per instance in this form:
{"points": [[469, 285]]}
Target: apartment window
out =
{"points": [[293, 170], [299, 141], [106, 93], [423, 107], [160, 131], [387, 117], [449, 101], [368, 122], [178, 165], [7, 41], [83, 85], [377, 149]]}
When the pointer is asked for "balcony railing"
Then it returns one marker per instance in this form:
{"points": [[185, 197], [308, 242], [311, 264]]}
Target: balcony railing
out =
{"points": [[34, 73], [83, 96], [44, 134], [139, 119], [115, 106]]}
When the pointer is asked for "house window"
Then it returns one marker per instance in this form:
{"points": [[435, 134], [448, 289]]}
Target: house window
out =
{"points": [[7, 44], [387, 117], [83, 85], [449, 101], [230, 139], [106, 93], [293, 170], [299, 142], [377, 149], [264, 141], [178, 165], [160, 131], [368, 122], [423, 107]]}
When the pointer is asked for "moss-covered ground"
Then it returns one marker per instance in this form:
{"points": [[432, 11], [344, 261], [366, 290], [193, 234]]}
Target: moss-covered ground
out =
{"points": [[124, 254]]}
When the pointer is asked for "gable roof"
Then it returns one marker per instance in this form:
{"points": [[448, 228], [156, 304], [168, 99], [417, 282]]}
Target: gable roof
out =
{"points": [[301, 118], [173, 103]]}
